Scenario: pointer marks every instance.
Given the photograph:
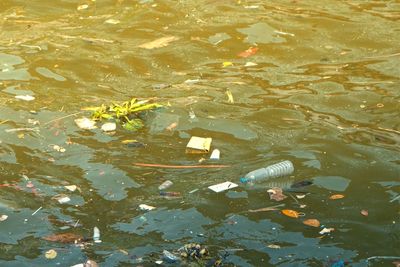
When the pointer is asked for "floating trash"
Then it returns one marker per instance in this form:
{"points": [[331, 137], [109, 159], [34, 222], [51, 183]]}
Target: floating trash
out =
{"points": [[222, 187]]}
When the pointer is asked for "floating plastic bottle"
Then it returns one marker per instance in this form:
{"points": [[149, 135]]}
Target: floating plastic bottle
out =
{"points": [[273, 171]]}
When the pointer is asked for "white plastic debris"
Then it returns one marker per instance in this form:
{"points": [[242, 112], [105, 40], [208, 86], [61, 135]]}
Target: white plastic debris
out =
{"points": [[215, 154], [63, 199], [222, 186], [146, 207], [165, 185], [85, 123], [326, 230], [109, 126], [82, 7], [96, 235], [3, 217], [25, 97], [112, 21], [71, 188], [250, 64]]}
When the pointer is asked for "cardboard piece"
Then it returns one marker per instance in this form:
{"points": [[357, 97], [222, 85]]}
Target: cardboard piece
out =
{"points": [[222, 187], [198, 145]]}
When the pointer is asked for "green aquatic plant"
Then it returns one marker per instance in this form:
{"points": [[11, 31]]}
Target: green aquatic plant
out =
{"points": [[126, 113]]}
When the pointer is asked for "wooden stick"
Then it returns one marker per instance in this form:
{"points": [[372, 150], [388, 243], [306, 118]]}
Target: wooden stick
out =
{"points": [[179, 166]]}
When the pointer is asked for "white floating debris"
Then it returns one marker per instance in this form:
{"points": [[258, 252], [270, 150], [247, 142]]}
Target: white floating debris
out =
{"points": [[215, 154], [71, 188], [159, 262], [96, 235], [3, 217], [284, 33], [59, 148], [85, 123], [25, 97], [109, 126], [112, 21], [146, 207], [326, 230], [192, 81], [62, 199], [250, 64], [222, 187], [165, 185], [251, 7], [82, 7]]}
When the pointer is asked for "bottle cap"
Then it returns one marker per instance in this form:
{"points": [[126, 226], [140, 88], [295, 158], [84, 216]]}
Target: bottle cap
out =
{"points": [[244, 180]]}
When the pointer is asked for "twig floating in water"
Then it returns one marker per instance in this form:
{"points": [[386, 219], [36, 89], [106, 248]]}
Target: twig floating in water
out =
{"points": [[180, 166], [64, 117]]}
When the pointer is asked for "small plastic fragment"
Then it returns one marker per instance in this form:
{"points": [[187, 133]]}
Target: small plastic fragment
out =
{"points": [[109, 126], [165, 185], [25, 97], [96, 235], [169, 257], [51, 254], [3, 217], [146, 207], [215, 154], [222, 186], [71, 188], [82, 7], [112, 21], [85, 123], [326, 230]]}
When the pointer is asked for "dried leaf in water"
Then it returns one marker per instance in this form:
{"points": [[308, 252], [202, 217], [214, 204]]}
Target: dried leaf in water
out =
{"points": [[249, 52], [51, 254], [274, 246], [276, 193], [291, 213], [85, 123], [3, 217], [337, 196], [326, 230], [63, 238], [161, 42], [364, 212], [312, 222]]}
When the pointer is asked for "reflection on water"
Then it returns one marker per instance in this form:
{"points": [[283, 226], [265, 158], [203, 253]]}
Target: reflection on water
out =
{"points": [[321, 91]]}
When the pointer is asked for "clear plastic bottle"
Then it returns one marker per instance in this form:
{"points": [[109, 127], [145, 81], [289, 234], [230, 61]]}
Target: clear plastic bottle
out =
{"points": [[273, 171]]}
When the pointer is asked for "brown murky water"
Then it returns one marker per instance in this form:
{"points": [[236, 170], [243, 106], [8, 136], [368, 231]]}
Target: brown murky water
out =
{"points": [[322, 91]]}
